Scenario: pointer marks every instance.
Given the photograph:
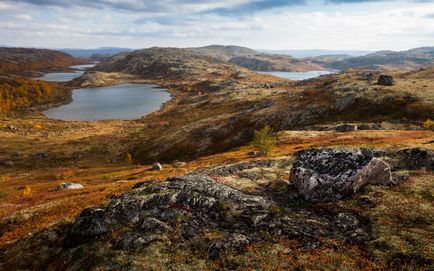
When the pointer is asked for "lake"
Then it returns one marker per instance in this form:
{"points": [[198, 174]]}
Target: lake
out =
{"points": [[66, 76], [126, 101], [298, 75]]}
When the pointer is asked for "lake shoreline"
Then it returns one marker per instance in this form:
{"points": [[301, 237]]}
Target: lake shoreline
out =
{"points": [[123, 101]]}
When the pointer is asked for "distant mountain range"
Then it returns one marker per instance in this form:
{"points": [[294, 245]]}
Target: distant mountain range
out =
{"points": [[102, 51], [245, 57], [315, 52]]}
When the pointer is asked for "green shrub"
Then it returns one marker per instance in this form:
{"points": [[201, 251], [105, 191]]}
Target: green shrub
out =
{"points": [[264, 140]]}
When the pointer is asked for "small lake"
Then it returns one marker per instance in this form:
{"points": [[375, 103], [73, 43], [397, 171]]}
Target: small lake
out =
{"points": [[298, 75], [126, 101], [66, 76]]}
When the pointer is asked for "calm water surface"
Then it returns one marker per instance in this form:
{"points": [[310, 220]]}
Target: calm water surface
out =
{"points": [[298, 75], [127, 101], [66, 76]]}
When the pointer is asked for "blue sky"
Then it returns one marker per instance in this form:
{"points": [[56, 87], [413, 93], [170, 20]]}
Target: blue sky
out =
{"points": [[260, 24]]}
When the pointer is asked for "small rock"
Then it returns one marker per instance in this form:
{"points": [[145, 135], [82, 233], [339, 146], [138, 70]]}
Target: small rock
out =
{"points": [[346, 128], [13, 128], [253, 153], [65, 186], [364, 127], [42, 155], [157, 166], [179, 164], [8, 163], [385, 80]]}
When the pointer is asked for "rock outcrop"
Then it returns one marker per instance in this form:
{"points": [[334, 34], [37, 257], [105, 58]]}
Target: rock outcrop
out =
{"points": [[332, 174], [185, 208], [385, 80]]}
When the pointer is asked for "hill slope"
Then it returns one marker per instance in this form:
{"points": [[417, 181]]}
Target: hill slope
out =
{"points": [[216, 105], [31, 62], [404, 60]]}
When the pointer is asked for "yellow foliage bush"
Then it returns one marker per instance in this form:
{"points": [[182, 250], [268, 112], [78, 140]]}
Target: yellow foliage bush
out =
{"points": [[27, 191], [429, 124], [4, 178], [37, 126]]}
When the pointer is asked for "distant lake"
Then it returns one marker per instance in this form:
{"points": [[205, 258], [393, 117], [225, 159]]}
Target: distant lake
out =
{"points": [[66, 76], [298, 75], [126, 101]]}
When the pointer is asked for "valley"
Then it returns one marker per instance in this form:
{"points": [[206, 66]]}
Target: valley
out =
{"points": [[215, 202]]}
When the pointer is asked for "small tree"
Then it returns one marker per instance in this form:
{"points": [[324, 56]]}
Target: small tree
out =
{"points": [[429, 124], [128, 159], [264, 140]]}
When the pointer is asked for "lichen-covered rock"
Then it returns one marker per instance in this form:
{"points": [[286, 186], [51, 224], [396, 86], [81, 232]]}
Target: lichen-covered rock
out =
{"points": [[185, 209], [332, 174], [415, 158]]}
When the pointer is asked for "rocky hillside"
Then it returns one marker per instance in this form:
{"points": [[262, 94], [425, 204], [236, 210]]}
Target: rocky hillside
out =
{"points": [[32, 62], [169, 64], [216, 105], [253, 60], [403, 60], [224, 53]]}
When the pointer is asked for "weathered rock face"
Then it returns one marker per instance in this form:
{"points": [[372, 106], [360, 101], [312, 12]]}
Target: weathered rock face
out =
{"points": [[385, 80], [332, 174], [186, 208]]}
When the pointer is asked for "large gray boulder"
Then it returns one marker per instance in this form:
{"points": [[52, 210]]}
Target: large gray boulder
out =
{"points": [[385, 80], [328, 174]]}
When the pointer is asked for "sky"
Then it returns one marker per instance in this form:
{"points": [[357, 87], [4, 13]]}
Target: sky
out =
{"points": [[259, 24]]}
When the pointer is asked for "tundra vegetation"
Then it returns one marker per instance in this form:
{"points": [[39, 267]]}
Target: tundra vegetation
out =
{"points": [[363, 202]]}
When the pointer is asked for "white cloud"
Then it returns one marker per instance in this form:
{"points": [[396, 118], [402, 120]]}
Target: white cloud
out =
{"points": [[373, 26], [25, 17]]}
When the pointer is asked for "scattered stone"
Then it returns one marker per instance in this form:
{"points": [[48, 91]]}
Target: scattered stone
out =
{"points": [[332, 174], [364, 127], [253, 153], [42, 155], [385, 80], [368, 76], [179, 164], [8, 163], [13, 128], [18, 154], [66, 186], [157, 166], [346, 128]]}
